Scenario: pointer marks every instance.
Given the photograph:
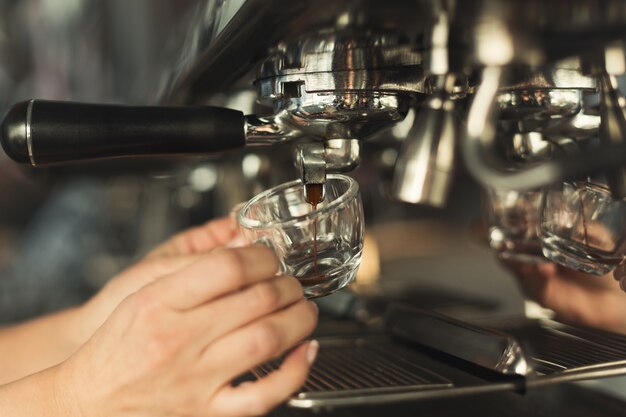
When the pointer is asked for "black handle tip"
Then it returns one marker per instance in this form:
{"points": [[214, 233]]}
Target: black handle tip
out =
{"points": [[13, 133]]}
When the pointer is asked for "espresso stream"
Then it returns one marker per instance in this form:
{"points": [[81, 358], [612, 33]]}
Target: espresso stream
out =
{"points": [[315, 193]]}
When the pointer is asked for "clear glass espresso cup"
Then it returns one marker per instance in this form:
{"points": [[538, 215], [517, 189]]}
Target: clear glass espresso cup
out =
{"points": [[513, 218], [321, 247], [583, 227]]}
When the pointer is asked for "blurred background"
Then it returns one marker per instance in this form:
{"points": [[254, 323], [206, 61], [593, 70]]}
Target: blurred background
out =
{"points": [[64, 234]]}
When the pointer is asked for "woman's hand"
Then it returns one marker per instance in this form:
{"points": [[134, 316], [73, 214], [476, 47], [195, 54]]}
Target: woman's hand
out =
{"points": [[40, 343], [174, 254], [173, 347], [575, 297], [620, 275]]}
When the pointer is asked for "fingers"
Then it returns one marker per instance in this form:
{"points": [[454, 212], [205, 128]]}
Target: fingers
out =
{"points": [[262, 340], [128, 282], [233, 311], [215, 274], [620, 275], [259, 397], [151, 269], [197, 239], [530, 278]]}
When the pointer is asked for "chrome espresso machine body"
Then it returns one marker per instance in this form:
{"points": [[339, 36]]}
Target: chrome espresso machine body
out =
{"points": [[335, 73], [523, 93]]}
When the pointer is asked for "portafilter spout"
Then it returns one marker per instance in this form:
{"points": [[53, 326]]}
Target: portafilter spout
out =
{"points": [[318, 158]]}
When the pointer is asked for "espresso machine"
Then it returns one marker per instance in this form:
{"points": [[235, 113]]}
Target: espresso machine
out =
{"points": [[522, 94]]}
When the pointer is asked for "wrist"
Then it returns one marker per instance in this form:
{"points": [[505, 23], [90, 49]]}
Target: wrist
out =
{"points": [[64, 396], [44, 393], [77, 330]]}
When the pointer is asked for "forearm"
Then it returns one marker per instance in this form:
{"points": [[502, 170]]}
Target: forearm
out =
{"points": [[35, 345], [40, 394]]}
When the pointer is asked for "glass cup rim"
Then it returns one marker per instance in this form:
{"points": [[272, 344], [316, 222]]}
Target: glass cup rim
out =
{"points": [[351, 192], [589, 186]]}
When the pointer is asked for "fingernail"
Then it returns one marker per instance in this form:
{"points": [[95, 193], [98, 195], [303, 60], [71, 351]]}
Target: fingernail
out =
{"points": [[314, 304], [311, 351]]}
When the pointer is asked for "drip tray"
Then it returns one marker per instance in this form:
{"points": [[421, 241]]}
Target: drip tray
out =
{"points": [[555, 348], [425, 355], [348, 369]]}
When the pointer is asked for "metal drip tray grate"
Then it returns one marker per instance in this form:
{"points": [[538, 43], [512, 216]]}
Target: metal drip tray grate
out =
{"points": [[354, 367], [521, 347], [432, 356], [555, 347]]}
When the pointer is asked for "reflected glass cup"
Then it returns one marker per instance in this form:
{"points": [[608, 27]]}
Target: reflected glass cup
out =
{"points": [[322, 248], [583, 227], [513, 221]]}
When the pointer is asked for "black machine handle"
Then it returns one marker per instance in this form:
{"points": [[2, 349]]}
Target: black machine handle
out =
{"points": [[42, 132]]}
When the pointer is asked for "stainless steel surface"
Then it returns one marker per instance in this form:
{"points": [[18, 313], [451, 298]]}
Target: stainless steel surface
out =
{"points": [[405, 376], [343, 59], [528, 110], [312, 163], [266, 131], [496, 351], [486, 32], [341, 115], [340, 85], [373, 369], [613, 60], [223, 47], [316, 159], [567, 74], [27, 127], [527, 147], [342, 155], [483, 161], [425, 167], [437, 37], [613, 128], [351, 369], [558, 348], [346, 70], [564, 400], [535, 32]]}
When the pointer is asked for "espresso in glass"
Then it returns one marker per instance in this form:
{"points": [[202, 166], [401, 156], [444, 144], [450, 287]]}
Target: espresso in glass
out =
{"points": [[319, 241]]}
